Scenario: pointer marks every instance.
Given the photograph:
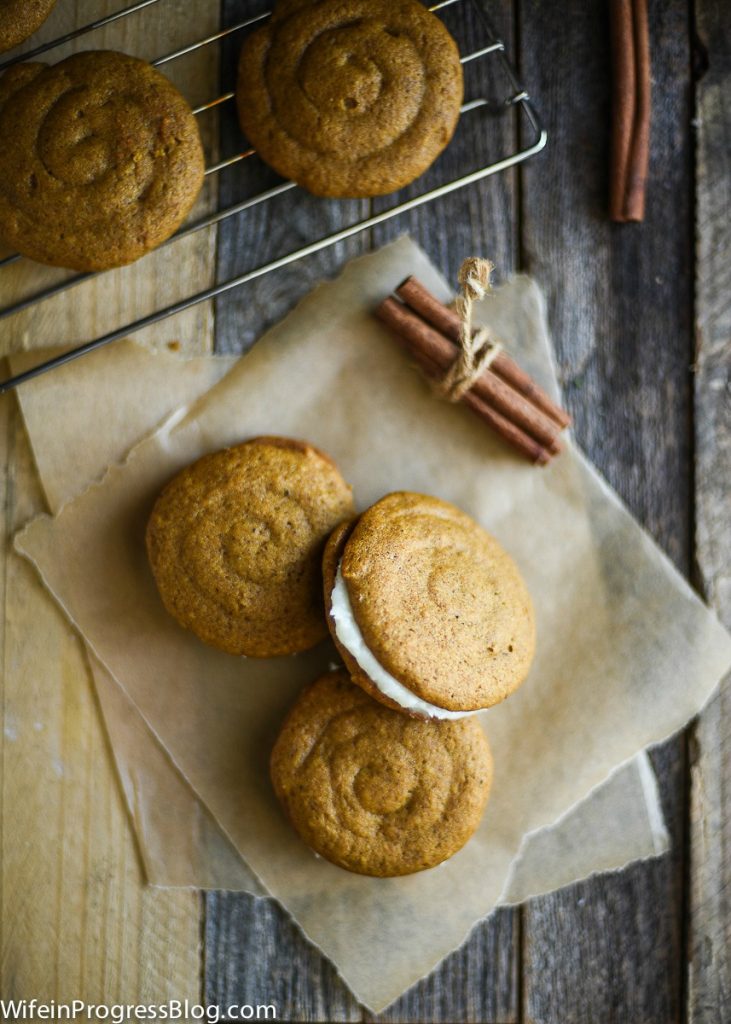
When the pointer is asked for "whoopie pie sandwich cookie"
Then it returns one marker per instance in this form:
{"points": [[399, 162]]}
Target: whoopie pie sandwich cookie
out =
{"points": [[375, 791], [235, 543], [429, 613], [105, 162], [350, 98], [20, 19]]}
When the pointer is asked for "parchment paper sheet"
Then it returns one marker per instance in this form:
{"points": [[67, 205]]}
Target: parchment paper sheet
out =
{"points": [[115, 397], [626, 652]]}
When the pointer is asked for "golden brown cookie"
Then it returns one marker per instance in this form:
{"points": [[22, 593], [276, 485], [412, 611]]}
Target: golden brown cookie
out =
{"points": [[16, 77], [106, 160], [429, 613], [350, 97], [372, 790], [235, 543], [20, 19]]}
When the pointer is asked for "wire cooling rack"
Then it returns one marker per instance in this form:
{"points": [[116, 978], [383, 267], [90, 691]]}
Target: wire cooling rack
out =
{"points": [[514, 98]]}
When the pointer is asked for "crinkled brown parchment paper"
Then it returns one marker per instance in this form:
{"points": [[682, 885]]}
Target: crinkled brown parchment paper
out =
{"points": [[626, 651]]}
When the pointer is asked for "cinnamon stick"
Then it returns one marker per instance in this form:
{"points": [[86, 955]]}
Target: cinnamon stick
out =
{"points": [[446, 321], [495, 401], [630, 41], [507, 430]]}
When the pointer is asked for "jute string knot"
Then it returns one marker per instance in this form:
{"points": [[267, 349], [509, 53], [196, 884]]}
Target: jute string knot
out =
{"points": [[476, 350]]}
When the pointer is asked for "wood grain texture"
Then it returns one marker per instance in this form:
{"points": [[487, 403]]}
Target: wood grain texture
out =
{"points": [[620, 308], [76, 918], [480, 981], [709, 947], [270, 230], [482, 219], [253, 952]]}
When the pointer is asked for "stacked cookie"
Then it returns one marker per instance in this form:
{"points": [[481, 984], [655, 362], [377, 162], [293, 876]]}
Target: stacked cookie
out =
{"points": [[381, 766], [429, 613]]}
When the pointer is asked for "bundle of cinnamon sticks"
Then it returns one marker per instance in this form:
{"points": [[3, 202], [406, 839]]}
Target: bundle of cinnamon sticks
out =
{"points": [[504, 396]]}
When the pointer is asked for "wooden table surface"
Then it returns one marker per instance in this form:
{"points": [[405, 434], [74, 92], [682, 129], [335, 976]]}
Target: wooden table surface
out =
{"points": [[641, 320]]}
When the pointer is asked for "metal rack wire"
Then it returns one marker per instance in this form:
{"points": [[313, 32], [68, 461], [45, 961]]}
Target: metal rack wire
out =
{"points": [[516, 98]]}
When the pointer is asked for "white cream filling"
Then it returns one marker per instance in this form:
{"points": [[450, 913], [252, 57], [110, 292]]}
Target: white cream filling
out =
{"points": [[350, 636]]}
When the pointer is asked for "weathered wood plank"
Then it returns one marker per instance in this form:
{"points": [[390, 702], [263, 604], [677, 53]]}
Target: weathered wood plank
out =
{"points": [[620, 307], [76, 918], [479, 982], [253, 953], [709, 977], [271, 229], [256, 954], [481, 219]]}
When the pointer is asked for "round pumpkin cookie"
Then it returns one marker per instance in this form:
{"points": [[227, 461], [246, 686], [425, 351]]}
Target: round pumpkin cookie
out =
{"points": [[20, 19], [350, 97], [375, 791], [16, 77], [106, 160], [235, 543], [430, 614]]}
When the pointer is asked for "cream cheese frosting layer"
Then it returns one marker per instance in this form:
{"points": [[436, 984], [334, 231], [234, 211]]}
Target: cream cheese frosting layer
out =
{"points": [[350, 636]]}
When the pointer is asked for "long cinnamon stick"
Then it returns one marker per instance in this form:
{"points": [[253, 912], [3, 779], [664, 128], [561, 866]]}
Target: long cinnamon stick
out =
{"points": [[629, 31], [506, 410], [446, 321]]}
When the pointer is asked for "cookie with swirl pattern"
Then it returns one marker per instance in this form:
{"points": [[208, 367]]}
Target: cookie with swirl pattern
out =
{"points": [[350, 98], [372, 790], [106, 160], [20, 19], [235, 543], [429, 612]]}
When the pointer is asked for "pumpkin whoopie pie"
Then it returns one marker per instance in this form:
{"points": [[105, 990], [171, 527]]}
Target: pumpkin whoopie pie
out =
{"points": [[375, 791], [429, 613], [235, 543]]}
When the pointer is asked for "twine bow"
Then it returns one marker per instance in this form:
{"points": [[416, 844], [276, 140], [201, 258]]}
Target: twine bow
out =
{"points": [[477, 350]]}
